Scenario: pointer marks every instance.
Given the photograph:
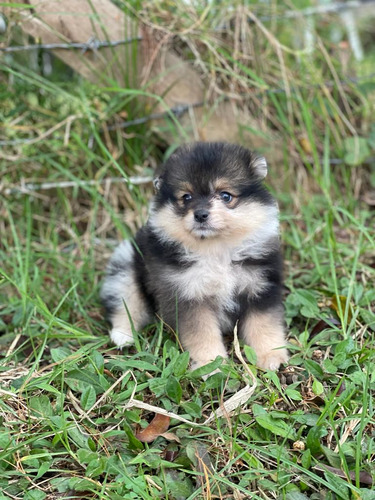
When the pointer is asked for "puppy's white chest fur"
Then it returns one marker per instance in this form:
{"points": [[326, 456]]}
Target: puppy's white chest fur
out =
{"points": [[216, 275], [208, 276]]}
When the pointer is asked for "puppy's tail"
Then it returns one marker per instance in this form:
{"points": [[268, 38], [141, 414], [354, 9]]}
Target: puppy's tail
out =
{"points": [[119, 276]]}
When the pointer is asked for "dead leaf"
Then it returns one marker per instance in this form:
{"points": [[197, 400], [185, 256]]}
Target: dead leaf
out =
{"points": [[310, 398], [364, 477], [323, 324], [170, 436], [334, 304], [171, 452], [109, 373], [158, 425]]}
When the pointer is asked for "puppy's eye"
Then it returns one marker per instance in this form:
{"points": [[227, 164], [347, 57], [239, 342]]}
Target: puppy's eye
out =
{"points": [[187, 197], [226, 197]]}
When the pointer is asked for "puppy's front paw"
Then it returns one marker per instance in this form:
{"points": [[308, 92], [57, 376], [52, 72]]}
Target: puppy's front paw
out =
{"points": [[121, 338], [272, 360]]}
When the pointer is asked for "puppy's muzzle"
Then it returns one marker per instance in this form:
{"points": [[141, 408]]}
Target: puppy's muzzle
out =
{"points": [[201, 215]]}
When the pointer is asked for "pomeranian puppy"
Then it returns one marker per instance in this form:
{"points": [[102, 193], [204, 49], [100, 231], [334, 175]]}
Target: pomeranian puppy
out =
{"points": [[208, 257]]}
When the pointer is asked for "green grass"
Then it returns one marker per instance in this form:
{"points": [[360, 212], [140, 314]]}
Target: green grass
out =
{"points": [[71, 405]]}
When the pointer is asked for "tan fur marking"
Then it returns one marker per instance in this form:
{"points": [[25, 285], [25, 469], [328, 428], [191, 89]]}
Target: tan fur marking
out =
{"points": [[171, 225], [200, 335], [229, 227], [224, 184], [264, 332], [184, 188]]}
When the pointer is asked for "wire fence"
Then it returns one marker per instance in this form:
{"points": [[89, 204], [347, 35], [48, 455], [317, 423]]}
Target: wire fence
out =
{"points": [[177, 112], [93, 44], [180, 110], [327, 8]]}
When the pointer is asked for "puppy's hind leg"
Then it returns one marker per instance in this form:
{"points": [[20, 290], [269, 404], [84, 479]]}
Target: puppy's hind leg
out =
{"points": [[128, 311], [122, 297]]}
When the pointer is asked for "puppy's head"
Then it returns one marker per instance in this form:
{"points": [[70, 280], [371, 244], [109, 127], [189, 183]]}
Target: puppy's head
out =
{"points": [[211, 193]]}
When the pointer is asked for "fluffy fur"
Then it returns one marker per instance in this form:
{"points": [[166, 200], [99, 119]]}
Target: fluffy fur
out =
{"points": [[208, 257]]}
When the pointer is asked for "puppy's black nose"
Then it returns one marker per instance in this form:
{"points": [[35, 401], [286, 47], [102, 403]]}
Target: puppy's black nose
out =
{"points": [[201, 215]]}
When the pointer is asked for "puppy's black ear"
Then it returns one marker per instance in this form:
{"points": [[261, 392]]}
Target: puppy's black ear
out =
{"points": [[158, 177], [260, 166], [157, 182]]}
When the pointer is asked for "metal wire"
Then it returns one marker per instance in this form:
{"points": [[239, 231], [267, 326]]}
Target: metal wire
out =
{"points": [[92, 44], [332, 7], [177, 111], [95, 44], [29, 187]]}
